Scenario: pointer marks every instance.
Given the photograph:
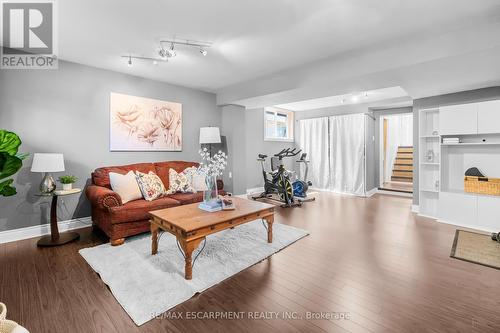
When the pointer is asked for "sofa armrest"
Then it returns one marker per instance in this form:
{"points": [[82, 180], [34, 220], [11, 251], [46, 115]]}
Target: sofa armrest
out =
{"points": [[103, 197]]}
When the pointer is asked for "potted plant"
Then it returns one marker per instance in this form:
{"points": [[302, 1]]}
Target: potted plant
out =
{"points": [[10, 161], [67, 182]]}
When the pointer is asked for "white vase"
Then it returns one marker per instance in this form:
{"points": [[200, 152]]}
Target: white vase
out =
{"points": [[67, 187]]}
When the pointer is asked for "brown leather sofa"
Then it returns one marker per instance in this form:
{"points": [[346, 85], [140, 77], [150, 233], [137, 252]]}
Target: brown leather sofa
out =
{"points": [[119, 220]]}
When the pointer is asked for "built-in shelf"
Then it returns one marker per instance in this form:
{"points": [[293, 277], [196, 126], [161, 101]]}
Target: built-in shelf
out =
{"points": [[472, 144], [429, 163]]}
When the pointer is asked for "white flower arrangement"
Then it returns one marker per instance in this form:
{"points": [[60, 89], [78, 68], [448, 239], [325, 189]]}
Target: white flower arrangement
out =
{"points": [[212, 165]]}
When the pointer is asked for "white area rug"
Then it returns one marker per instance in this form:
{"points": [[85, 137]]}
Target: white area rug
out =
{"points": [[146, 285]]}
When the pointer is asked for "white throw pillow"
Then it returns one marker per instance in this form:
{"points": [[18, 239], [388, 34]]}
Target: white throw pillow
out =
{"points": [[125, 185]]}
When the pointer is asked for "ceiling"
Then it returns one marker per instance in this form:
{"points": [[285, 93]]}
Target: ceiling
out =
{"points": [[250, 38]]}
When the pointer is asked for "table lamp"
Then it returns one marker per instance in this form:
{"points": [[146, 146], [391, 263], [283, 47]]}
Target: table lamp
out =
{"points": [[209, 135], [47, 163]]}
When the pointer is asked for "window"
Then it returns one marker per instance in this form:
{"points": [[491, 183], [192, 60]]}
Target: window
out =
{"points": [[278, 125]]}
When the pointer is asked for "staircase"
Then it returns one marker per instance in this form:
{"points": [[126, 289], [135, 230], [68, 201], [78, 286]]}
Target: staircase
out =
{"points": [[403, 165]]}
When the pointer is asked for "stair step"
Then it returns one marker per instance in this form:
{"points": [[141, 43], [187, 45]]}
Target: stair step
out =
{"points": [[399, 179], [404, 161], [405, 150], [403, 167], [404, 155], [402, 174]]}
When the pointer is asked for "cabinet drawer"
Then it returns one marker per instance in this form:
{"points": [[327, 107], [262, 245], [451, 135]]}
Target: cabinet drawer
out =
{"points": [[458, 119], [488, 117]]}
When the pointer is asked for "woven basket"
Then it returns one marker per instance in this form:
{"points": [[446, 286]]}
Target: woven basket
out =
{"points": [[482, 185]]}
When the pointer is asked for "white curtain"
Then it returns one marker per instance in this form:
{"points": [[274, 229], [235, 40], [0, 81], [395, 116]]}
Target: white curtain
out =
{"points": [[313, 140], [347, 154], [399, 133]]}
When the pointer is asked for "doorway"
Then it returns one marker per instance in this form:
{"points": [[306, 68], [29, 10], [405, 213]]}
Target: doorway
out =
{"points": [[396, 153]]}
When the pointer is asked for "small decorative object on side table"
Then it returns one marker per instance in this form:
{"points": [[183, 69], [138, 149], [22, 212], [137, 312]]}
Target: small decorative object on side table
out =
{"points": [[55, 238]]}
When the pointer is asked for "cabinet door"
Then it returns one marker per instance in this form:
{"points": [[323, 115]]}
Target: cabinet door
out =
{"points": [[488, 213], [458, 119], [488, 117], [458, 208]]}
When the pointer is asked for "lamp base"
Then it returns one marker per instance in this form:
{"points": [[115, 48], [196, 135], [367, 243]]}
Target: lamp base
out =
{"points": [[48, 184], [62, 238]]}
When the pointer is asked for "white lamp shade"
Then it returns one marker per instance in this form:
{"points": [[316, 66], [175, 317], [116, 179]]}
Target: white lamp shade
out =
{"points": [[47, 163], [209, 135]]}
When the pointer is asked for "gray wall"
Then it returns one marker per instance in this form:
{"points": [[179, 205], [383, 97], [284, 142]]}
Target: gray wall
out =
{"points": [[371, 163], [379, 113], [245, 132], [469, 96], [67, 111]]}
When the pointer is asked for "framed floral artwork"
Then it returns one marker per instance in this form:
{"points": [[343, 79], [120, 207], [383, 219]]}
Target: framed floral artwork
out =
{"points": [[144, 124]]}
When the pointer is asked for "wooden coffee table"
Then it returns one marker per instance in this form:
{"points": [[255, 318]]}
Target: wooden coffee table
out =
{"points": [[191, 225]]}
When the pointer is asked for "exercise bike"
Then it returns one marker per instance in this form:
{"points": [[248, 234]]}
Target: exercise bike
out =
{"points": [[278, 180], [300, 187]]}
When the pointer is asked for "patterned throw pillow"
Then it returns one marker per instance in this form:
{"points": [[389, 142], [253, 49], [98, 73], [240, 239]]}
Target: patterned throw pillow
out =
{"points": [[150, 184], [180, 181]]}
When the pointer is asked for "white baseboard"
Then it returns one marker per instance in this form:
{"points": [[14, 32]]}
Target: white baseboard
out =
{"points": [[415, 208], [473, 227], [371, 192], [41, 230], [395, 193]]}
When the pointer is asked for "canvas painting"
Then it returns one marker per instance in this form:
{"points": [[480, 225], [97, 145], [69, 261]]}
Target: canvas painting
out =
{"points": [[144, 124]]}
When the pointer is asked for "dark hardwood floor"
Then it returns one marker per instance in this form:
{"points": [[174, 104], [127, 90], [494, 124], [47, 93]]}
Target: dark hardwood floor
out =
{"points": [[373, 259]]}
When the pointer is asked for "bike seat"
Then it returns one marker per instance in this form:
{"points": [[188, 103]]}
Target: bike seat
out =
{"points": [[262, 156]]}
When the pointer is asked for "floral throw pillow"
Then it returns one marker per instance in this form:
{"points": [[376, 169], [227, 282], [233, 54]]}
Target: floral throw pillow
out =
{"points": [[150, 184], [180, 181]]}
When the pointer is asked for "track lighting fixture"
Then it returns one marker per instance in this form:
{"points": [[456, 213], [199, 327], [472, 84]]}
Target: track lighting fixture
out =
{"points": [[168, 50]]}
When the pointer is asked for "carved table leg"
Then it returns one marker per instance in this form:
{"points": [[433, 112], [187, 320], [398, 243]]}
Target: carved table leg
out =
{"points": [[188, 247], [270, 220], [154, 238]]}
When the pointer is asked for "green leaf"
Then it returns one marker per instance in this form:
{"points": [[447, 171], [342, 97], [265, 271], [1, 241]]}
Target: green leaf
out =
{"points": [[6, 189], [9, 142], [9, 165]]}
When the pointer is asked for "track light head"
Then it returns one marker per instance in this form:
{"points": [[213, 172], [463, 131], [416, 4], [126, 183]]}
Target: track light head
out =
{"points": [[203, 51], [129, 62], [172, 52]]}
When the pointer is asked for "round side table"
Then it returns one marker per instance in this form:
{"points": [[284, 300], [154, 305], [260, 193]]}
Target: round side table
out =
{"points": [[55, 238]]}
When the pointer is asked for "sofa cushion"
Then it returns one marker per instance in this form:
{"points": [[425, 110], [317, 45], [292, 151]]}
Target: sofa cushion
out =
{"points": [[162, 169], [100, 176], [187, 198], [139, 209]]}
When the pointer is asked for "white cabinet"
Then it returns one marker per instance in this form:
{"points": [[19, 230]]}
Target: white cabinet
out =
{"points": [[458, 119], [458, 208], [488, 117], [488, 213]]}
